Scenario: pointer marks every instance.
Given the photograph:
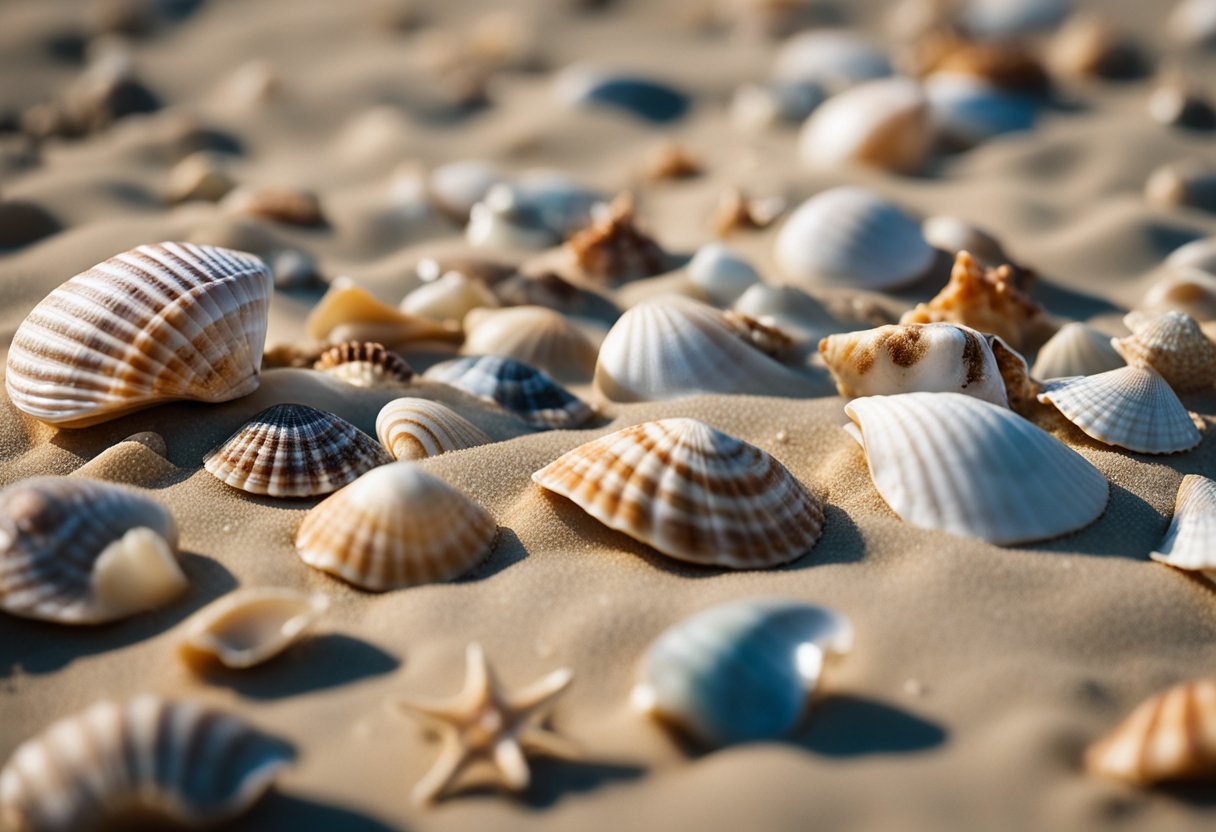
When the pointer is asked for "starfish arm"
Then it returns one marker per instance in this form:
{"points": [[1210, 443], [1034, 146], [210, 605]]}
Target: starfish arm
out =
{"points": [[479, 682], [511, 764], [541, 692], [435, 711], [541, 741], [447, 767]]}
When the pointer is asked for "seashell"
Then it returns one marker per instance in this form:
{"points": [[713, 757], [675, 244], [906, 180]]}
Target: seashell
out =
{"points": [[525, 391], [1076, 350], [1172, 344], [537, 336], [743, 671], [737, 211], [346, 307], [662, 483], [479, 269], [549, 289], [1005, 65], [202, 176], [1188, 289], [1167, 737], [1193, 23], [722, 273], [1188, 184], [1002, 18], [171, 762], [831, 59], [150, 325], [457, 186], [1131, 407], [1197, 254], [1087, 46], [77, 551], [612, 249], [396, 526], [538, 210], [770, 340], [644, 98], [251, 626], [757, 107], [1020, 388], [1190, 541], [952, 235], [292, 450], [670, 161], [931, 358], [418, 428], [292, 206], [364, 364], [953, 463], [968, 110], [884, 124], [1175, 103], [449, 297], [851, 236], [790, 309]]}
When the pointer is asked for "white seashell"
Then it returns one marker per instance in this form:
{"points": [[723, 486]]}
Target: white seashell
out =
{"points": [[663, 483], [150, 325], [251, 626], [1131, 407], [448, 298], [364, 364], [418, 428], [351, 313], [832, 59], [172, 762], [1193, 23], [534, 335], [1184, 184], [457, 186], [1188, 289], [851, 236], [396, 526], [954, 463], [1076, 349], [790, 309], [967, 110], [537, 210], [1172, 344], [1006, 18], [952, 235], [722, 273], [1197, 254], [884, 124], [1190, 541], [525, 391], [743, 671]]}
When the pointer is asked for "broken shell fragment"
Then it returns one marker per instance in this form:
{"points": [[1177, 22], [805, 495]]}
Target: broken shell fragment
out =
{"points": [[1190, 540], [251, 626], [364, 364], [1172, 344], [525, 391], [418, 428], [1077, 349]]}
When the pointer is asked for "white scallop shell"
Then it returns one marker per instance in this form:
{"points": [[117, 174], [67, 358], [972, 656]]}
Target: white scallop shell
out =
{"points": [[884, 123], [449, 297], [722, 273], [537, 336], [967, 110], [348, 312], [1190, 541], [1172, 344], [251, 626], [832, 59], [1186, 289], [419, 428], [1076, 349]]}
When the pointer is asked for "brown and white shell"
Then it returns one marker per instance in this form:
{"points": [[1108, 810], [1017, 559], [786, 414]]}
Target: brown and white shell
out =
{"points": [[419, 428], [364, 364], [883, 123], [1172, 344], [348, 312], [613, 249], [1190, 540], [534, 335], [250, 626]]}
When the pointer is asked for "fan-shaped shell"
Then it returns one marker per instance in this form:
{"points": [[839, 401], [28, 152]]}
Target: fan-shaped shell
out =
{"points": [[952, 462], [1076, 349], [351, 313], [153, 324], [251, 626], [418, 428], [534, 335], [394, 527], [173, 762], [77, 551], [1172, 344], [691, 492], [742, 671], [1190, 541], [883, 123], [364, 364], [525, 391], [722, 273], [292, 450], [1132, 407]]}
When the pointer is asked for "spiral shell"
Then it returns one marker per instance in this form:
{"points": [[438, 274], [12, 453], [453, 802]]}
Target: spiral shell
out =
{"points": [[525, 391], [251, 626], [364, 364], [534, 335], [418, 428], [1190, 541], [883, 123], [1076, 350], [1172, 344]]}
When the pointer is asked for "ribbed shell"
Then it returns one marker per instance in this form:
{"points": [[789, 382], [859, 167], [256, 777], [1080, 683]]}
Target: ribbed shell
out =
{"points": [[418, 428], [691, 492], [523, 390], [1131, 407], [292, 450], [534, 335], [153, 324], [1076, 350], [883, 123], [173, 761], [365, 364], [251, 626], [1172, 344], [78, 551], [1190, 541], [954, 463], [394, 527]]}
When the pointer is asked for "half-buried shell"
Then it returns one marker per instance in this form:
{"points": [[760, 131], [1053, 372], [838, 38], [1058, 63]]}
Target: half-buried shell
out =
{"points": [[534, 335], [364, 364], [513, 385], [1172, 344], [1190, 541], [418, 428], [251, 626]]}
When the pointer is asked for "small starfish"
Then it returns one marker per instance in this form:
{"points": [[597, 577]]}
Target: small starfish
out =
{"points": [[484, 722]]}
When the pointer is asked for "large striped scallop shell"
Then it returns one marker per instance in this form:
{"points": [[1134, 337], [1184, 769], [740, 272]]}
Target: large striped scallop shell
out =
{"points": [[1190, 541], [954, 463], [348, 312], [147, 761], [523, 390], [1132, 407], [1076, 349], [1172, 344], [292, 450], [691, 492], [153, 324], [419, 428], [883, 123], [364, 364], [250, 626], [78, 551], [534, 335], [743, 671], [396, 526]]}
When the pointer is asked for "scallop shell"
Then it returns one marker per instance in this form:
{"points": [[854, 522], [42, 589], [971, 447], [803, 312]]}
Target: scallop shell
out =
{"points": [[957, 464], [153, 324], [968, 110], [292, 450], [663, 482], [1190, 541], [396, 526], [884, 124], [534, 335], [251, 626], [174, 762], [613, 249], [351, 313], [1172, 344], [525, 391], [852, 237], [364, 364], [418, 428], [1077, 349], [722, 273], [449, 297], [743, 671], [832, 59], [1191, 289], [1131, 407], [77, 551]]}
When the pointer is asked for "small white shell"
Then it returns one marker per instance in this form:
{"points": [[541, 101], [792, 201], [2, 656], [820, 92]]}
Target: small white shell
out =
{"points": [[251, 626], [790, 309], [527, 392], [348, 312], [1190, 541], [534, 335], [448, 298], [418, 428], [967, 110], [1172, 344], [722, 273], [1076, 349], [885, 124], [832, 59]]}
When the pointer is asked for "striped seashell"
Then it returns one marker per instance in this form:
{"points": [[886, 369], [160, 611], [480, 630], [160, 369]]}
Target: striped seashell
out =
{"points": [[351, 313], [250, 626], [1190, 541], [150, 325], [534, 335], [77, 551], [1077, 349], [395, 527], [364, 364], [1172, 344], [1170, 736], [743, 671], [1189, 286], [525, 391], [418, 428], [164, 761], [1132, 407], [953, 463], [691, 492], [292, 450], [884, 124]]}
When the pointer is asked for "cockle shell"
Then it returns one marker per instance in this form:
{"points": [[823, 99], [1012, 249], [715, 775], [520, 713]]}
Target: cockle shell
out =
{"points": [[534, 335], [351, 313], [251, 626], [112, 766], [832, 59], [364, 364], [1190, 541], [884, 124], [292, 450], [743, 671], [396, 526], [525, 391], [77, 551], [1172, 344], [1131, 407], [722, 273], [1189, 288], [1077, 349], [153, 324], [665, 483], [850, 236], [418, 428], [952, 462], [448, 297]]}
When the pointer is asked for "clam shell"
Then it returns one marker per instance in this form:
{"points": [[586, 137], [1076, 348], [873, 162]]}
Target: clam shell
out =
{"points": [[1190, 541], [534, 335], [418, 428], [1172, 344], [176, 762], [525, 391], [1191, 289], [292, 450], [153, 324], [884, 124], [722, 273], [954, 463], [449, 297], [1131, 407], [396, 526], [969, 110], [851, 236], [666, 483], [347, 308], [1077, 349], [831, 59], [77, 551], [364, 364], [251, 626], [743, 671]]}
